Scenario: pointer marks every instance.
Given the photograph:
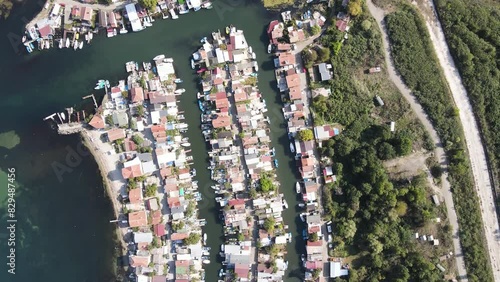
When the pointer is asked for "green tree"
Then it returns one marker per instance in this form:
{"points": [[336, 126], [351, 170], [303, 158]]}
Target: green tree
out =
{"points": [[309, 56], [151, 190], [354, 8], [266, 184], [386, 151], [148, 4], [403, 145], [305, 135], [138, 140], [140, 110], [109, 120], [315, 29], [366, 25], [347, 229], [192, 239], [5, 8], [314, 237], [269, 224], [323, 54]]}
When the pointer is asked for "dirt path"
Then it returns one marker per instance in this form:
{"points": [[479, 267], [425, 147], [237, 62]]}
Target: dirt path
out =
{"points": [[475, 146], [379, 15]]}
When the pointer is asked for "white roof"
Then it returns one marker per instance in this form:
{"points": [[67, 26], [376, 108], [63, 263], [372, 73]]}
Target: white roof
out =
{"points": [[132, 162], [143, 237], [164, 69], [280, 239], [155, 116], [142, 278], [55, 9], [148, 167], [133, 17], [183, 257], [166, 158], [336, 270]]}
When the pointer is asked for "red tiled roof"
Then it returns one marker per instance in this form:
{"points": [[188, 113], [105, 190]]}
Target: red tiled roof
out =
{"points": [[159, 230], [137, 219], [136, 94], [45, 31], [115, 134], [293, 80], [156, 217], [178, 236], [132, 171], [222, 103], [221, 121], [286, 58], [135, 196], [295, 93], [97, 122]]}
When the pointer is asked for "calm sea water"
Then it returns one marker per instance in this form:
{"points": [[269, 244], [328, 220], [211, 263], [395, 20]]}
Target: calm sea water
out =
{"points": [[63, 231]]}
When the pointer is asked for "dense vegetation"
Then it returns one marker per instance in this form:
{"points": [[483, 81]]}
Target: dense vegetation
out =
{"points": [[472, 30], [373, 217], [5, 7], [415, 60], [271, 4]]}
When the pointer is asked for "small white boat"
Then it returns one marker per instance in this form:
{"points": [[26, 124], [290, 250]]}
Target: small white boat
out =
{"points": [[180, 117], [205, 237], [192, 64], [185, 139], [60, 44], [207, 5], [123, 30], [250, 49], [186, 144], [203, 40], [63, 116], [254, 56], [24, 38], [87, 37], [75, 45], [301, 205], [178, 80], [256, 66], [164, 16], [269, 48], [285, 204], [67, 43], [159, 57], [297, 187], [115, 32], [180, 91], [206, 261], [292, 148], [168, 60], [91, 36], [81, 45]]}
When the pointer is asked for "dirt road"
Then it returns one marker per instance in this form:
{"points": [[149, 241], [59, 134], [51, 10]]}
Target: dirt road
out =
{"points": [[379, 15], [475, 147]]}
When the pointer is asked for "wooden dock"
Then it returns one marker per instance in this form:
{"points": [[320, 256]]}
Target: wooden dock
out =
{"points": [[70, 128]]}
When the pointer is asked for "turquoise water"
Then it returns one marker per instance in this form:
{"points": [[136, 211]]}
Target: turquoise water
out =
{"points": [[63, 228]]}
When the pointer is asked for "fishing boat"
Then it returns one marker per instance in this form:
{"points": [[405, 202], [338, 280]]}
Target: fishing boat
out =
{"points": [[297, 187], [183, 9], [164, 16], [60, 44], [206, 261], [67, 43], [87, 37], [205, 238], [203, 40], [269, 48], [63, 116], [180, 91], [123, 30], [178, 80], [186, 144], [193, 171], [159, 57], [250, 50], [32, 47], [254, 74], [292, 148], [115, 32], [200, 104], [254, 56], [285, 204], [80, 45], [29, 49], [24, 39], [180, 117], [207, 5], [256, 66], [276, 163], [75, 45], [91, 36], [107, 84], [192, 64], [168, 60], [173, 14], [185, 139], [221, 272], [301, 205]]}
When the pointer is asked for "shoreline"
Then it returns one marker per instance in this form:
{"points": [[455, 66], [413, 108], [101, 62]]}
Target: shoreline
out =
{"points": [[104, 170]]}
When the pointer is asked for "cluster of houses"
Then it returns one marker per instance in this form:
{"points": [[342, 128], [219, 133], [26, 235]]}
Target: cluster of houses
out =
{"points": [[140, 118], [242, 158], [71, 26], [292, 82]]}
